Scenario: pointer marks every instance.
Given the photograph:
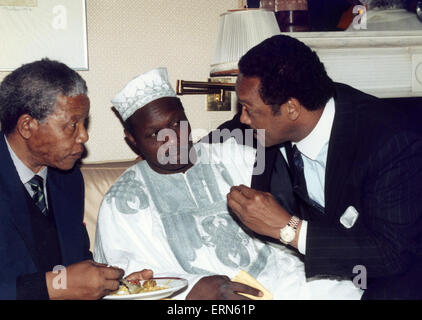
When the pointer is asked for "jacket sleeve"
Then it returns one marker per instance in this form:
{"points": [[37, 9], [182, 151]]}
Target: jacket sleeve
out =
{"points": [[32, 287]]}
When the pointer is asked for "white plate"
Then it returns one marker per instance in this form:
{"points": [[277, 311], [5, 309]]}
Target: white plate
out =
{"points": [[173, 284]]}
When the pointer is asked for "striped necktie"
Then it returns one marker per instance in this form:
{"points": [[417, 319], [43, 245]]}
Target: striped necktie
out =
{"points": [[300, 178], [37, 185]]}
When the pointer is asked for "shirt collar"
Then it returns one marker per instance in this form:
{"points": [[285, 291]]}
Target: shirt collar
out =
{"points": [[25, 174], [314, 142]]}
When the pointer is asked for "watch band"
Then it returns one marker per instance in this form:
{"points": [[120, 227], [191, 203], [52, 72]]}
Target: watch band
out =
{"points": [[293, 222]]}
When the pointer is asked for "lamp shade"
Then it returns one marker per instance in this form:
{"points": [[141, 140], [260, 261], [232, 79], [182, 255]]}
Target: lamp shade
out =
{"points": [[239, 31]]}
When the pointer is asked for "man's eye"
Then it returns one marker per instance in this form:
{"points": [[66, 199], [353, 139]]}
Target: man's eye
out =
{"points": [[86, 123]]}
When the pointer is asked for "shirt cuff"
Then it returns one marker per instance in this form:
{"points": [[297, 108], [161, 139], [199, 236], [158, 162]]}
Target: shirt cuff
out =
{"points": [[301, 241]]}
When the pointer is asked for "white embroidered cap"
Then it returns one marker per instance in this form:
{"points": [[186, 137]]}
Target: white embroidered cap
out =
{"points": [[140, 91]]}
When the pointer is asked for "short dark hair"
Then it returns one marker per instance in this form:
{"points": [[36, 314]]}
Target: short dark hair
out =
{"points": [[34, 88], [287, 68]]}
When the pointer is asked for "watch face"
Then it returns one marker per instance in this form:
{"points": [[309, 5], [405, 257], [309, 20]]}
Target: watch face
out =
{"points": [[287, 234]]}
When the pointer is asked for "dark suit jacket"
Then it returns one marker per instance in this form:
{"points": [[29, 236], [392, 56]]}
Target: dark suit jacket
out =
{"points": [[17, 248], [374, 164]]}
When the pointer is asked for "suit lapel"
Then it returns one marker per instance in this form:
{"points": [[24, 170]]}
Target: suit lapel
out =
{"points": [[341, 154], [13, 191], [56, 192], [64, 213]]}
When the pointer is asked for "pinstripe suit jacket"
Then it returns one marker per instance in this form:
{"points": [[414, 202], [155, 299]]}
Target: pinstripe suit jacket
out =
{"points": [[374, 164]]}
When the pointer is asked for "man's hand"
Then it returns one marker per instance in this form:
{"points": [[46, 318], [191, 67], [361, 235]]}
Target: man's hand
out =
{"points": [[220, 288], [86, 280], [144, 274], [257, 210]]}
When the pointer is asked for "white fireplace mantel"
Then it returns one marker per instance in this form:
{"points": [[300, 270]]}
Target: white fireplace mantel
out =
{"points": [[385, 64]]}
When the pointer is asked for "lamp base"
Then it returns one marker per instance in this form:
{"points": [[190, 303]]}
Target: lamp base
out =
{"points": [[293, 21], [220, 101]]}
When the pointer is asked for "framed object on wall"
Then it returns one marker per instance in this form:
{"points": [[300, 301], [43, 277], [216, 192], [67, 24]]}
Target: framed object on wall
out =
{"points": [[35, 29]]}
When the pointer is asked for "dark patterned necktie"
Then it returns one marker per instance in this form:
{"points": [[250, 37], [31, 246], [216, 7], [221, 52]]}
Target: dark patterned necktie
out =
{"points": [[300, 176], [300, 172], [37, 186]]}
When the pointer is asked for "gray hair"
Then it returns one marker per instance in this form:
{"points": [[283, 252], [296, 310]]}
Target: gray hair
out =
{"points": [[34, 88]]}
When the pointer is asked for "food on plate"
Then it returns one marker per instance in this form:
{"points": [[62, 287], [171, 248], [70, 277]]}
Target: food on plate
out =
{"points": [[134, 287], [246, 278]]}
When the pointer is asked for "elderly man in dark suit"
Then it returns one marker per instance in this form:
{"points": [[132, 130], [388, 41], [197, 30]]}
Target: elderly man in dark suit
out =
{"points": [[346, 169], [44, 247]]}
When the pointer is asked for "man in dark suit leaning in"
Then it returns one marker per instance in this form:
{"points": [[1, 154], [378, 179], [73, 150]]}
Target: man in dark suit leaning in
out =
{"points": [[345, 168], [43, 112]]}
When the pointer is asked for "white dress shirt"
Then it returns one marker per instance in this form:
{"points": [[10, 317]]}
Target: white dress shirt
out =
{"points": [[313, 149], [26, 174]]}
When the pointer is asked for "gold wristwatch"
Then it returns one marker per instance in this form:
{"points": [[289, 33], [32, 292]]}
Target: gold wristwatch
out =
{"points": [[288, 233]]}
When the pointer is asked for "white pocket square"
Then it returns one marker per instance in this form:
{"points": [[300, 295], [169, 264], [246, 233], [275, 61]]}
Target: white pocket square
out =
{"points": [[349, 217]]}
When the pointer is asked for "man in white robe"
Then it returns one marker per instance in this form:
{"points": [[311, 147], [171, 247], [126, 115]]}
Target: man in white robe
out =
{"points": [[173, 218]]}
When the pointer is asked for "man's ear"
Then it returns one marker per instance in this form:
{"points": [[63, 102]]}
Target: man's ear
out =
{"points": [[26, 125], [132, 144], [130, 139], [293, 108]]}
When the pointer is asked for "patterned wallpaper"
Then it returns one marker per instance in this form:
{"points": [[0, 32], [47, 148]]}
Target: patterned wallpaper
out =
{"points": [[129, 37]]}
